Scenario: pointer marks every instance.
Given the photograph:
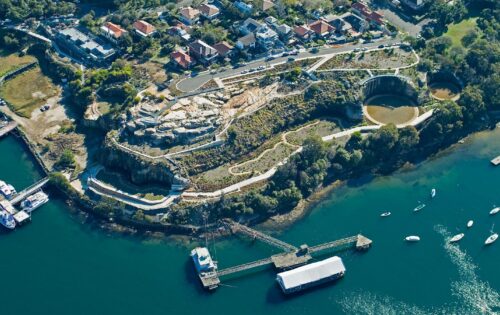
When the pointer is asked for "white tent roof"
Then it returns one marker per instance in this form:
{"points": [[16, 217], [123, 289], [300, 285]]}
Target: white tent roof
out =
{"points": [[312, 272]]}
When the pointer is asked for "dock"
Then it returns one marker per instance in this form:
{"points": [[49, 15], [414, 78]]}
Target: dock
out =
{"points": [[496, 161], [291, 257], [20, 196], [5, 129]]}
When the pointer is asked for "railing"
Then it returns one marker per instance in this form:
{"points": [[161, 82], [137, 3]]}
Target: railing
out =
{"points": [[31, 189], [337, 243], [250, 265]]}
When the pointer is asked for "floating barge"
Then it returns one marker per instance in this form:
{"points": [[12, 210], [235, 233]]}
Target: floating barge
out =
{"points": [[496, 161], [311, 275]]}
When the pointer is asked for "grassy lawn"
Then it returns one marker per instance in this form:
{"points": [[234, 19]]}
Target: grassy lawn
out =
{"points": [[12, 61], [457, 31], [27, 91]]}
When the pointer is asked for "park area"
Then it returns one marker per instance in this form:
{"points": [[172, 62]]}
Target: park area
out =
{"points": [[10, 62], [457, 31], [28, 91]]}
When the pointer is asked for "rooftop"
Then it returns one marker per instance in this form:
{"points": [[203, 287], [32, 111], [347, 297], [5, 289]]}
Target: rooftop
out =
{"points": [[144, 27]]}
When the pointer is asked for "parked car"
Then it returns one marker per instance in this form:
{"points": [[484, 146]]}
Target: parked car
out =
{"points": [[261, 68], [381, 46], [294, 52], [291, 59], [269, 58], [357, 49], [284, 54], [315, 50], [244, 71]]}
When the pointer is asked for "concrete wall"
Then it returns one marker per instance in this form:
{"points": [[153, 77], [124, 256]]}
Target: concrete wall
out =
{"points": [[389, 84]]}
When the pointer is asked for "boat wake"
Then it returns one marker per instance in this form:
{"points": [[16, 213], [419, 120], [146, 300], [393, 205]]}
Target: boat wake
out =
{"points": [[473, 295], [476, 296]]}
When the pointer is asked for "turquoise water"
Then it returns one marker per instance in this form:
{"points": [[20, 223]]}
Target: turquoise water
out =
{"points": [[57, 265]]}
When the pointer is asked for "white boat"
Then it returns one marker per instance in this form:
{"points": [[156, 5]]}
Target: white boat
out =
{"points": [[34, 201], [495, 210], [491, 239], [7, 190], [412, 238], [202, 260], [419, 207], [470, 223], [433, 192], [385, 214], [456, 238], [7, 220]]}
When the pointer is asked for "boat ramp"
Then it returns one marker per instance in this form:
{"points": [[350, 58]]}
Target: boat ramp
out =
{"points": [[291, 256], [6, 128]]}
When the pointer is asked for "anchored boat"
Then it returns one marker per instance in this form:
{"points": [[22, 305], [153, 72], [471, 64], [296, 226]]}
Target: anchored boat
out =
{"points": [[433, 192], [495, 210], [7, 220], [385, 214], [7, 190], [419, 207], [34, 201], [491, 239], [470, 223], [456, 238], [412, 238]]}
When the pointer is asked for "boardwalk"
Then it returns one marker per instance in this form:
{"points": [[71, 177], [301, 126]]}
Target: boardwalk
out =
{"points": [[28, 191], [243, 267], [7, 128]]}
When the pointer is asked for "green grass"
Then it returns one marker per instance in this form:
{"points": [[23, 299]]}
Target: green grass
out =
{"points": [[457, 31], [12, 61], [27, 91]]}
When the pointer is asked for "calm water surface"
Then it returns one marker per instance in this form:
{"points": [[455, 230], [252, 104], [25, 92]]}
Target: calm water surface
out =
{"points": [[56, 265]]}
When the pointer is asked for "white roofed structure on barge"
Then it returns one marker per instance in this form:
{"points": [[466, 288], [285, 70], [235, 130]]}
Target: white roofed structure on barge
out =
{"points": [[308, 275]]}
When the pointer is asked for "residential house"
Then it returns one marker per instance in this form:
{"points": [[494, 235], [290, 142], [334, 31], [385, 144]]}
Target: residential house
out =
{"points": [[303, 32], [358, 24], [375, 19], [266, 5], [84, 46], [244, 8], [224, 49], [341, 26], [202, 51], [112, 31], [321, 28], [271, 20], [143, 28], [415, 5], [250, 26], [209, 11], [181, 59], [246, 42], [284, 31], [266, 37], [180, 30], [189, 15]]}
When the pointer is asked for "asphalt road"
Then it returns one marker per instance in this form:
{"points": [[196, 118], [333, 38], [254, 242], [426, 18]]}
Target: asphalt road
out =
{"points": [[193, 83]]}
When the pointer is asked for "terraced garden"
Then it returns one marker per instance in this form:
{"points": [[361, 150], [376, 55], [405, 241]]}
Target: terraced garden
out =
{"points": [[265, 161]]}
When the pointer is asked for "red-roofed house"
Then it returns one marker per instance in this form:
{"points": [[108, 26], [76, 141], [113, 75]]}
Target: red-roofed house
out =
{"points": [[223, 48], [374, 18], [181, 59], [112, 31], [189, 15], [321, 28], [143, 28], [302, 32], [208, 11]]}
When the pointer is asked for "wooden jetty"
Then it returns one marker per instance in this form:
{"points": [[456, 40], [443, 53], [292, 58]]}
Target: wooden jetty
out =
{"points": [[7, 128], [290, 258], [496, 161]]}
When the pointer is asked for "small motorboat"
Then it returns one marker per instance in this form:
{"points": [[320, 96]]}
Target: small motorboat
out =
{"points": [[433, 192], [456, 238], [385, 214], [419, 207], [491, 239], [495, 210], [470, 223], [412, 238]]}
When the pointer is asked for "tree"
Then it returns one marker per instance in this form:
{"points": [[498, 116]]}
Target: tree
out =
{"points": [[469, 38], [472, 103], [66, 160]]}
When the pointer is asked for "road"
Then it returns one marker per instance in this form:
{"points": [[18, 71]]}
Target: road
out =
{"points": [[193, 83]]}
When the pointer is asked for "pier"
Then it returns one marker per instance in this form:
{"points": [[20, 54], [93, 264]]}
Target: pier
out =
{"points": [[496, 161], [291, 256], [28, 191], [4, 130]]}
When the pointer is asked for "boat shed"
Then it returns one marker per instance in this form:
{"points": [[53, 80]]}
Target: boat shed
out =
{"points": [[312, 274], [21, 217]]}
